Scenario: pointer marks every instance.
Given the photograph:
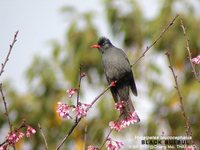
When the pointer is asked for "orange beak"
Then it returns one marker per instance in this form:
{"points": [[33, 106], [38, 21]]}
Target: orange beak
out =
{"points": [[95, 46]]}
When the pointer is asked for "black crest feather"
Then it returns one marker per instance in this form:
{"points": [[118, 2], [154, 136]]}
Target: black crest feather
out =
{"points": [[103, 40]]}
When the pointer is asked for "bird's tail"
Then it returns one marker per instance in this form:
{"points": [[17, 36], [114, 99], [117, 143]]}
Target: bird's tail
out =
{"points": [[128, 112]]}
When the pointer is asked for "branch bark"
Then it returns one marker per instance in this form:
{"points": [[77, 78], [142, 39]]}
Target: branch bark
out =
{"points": [[189, 52], [186, 118], [8, 54]]}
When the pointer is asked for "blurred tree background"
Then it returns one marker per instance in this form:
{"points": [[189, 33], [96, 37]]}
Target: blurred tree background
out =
{"points": [[49, 78]]}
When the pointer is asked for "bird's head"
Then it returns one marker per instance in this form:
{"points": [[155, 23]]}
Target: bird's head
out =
{"points": [[103, 44]]}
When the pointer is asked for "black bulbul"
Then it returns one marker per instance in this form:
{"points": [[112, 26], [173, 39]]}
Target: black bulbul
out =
{"points": [[117, 68]]}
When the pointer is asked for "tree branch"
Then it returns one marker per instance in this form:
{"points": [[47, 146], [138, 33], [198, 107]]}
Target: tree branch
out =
{"points": [[43, 136], [10, 49], [189, 52], [1, 71], [106, 138], [79, 88], [5, 106], [157, 39], [187, 122]]}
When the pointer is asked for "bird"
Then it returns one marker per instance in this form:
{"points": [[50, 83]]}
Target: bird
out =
{"points": [[117, 68]]}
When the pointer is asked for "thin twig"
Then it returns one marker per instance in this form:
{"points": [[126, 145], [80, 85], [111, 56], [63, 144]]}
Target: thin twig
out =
{"points": [[43, 136], [187, 122], [105, 90], [78, 90], [10, 49], [77, 122], [69, 133], [4, 142], [189, 52], [157, 39], [106, 138], [79, 86], [5, 106], [1, 71]]}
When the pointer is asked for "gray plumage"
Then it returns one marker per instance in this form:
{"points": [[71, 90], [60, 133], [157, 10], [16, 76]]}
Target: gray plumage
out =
{"points": [[117, 68]]}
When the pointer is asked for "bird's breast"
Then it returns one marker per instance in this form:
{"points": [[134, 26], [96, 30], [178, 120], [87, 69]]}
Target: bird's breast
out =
{"points": [[115, 68]]}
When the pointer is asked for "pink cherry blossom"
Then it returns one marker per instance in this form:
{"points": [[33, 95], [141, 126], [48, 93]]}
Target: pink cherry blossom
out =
{"points": [[192, 147], [63, 110], [20, 134], [116, 125], [82, 109], [130, 119], [119, 105], [14, 137], [196, 60], [4, 147], [83, 74], [30, 131], [121, 124], [113, 145], [71, 92], [91, 147], [189, 148]]}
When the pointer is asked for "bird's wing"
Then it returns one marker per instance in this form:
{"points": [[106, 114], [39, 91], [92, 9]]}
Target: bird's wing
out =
{"points": [[130, 76], [132, 84]]}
